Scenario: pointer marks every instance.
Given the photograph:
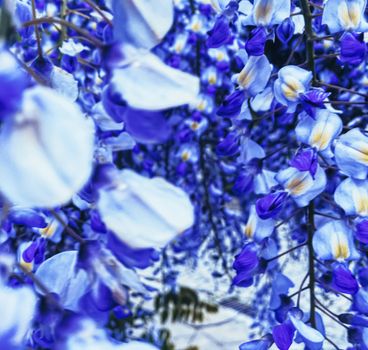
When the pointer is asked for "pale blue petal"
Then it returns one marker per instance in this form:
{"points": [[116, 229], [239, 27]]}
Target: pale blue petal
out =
{"points": [[268, 12], [137, 82], [18, 308], [264, 181], [292, 81], [58, 274], [144, 212], [334, 241], [352, 196], [250, 150], [351, 153], [255, 75], [301, 185], [142, 23], [64, 83], [340, 15], [257, 228], [59, 150], [308, 333], [318, 132]]}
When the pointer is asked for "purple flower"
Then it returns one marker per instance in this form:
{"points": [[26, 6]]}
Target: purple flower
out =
{"points": [[220, 34], [255, 45], [270, 205], [353, 49]]}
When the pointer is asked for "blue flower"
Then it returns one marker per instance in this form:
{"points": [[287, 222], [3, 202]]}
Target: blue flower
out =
{"points": [[13, 82], [136, 82], [255, 45], [345, 15], [334, 241], [142, 212], [60, 276], [285, 30], [260, 344], [246, 265], [266, 13], [312, 338], [352, 196], [353, 49], [142, 24], [271, 205], [361, 232], [302, 186], [351, 154], [280, 286], [220, 34], [292, 82], [343, 280], [18, 307], [256, 228], [59, 150], [319, 132], [254, 76]]}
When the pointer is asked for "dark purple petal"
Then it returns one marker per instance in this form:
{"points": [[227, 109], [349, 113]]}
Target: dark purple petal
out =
{"points": [[285, 30], [270, 205], [305, 161], [220, 34], [243, 183], [353, 50], [232, 104], [344, 281], [256, 43], [283, 335], [361, 233], [229, 146], [146, 126]]}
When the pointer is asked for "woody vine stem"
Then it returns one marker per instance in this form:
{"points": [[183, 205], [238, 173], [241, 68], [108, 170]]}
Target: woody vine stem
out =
{"points": [[309, 35]]}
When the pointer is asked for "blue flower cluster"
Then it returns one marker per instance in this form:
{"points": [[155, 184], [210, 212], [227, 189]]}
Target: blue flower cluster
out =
{"points": [[144, 134]]}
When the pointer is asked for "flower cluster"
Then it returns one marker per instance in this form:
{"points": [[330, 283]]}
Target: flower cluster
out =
{"points": [[144, 135]]}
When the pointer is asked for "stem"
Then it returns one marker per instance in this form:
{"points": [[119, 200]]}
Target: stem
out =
{"points": [[63, 14], [309, 33], [312, 278], [40, 286], [37, 31], [67, 228], [64, 23], [287, 252], [99, 11], [336, 87], [308, 18]]}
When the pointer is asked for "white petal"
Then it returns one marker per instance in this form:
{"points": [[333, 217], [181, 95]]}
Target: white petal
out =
{"points": [[58, 274], [148, 83], [46, 151], [142, 23], [144, 212]]}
